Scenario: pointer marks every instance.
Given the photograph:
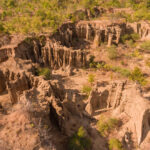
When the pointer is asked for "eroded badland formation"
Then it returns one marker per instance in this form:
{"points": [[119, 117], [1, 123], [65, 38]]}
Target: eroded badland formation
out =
{"points": [[94, 95]]}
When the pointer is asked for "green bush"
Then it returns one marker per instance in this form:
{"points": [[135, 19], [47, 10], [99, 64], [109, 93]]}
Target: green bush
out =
{"points": [[100, 65], [148, 4], [130, 43], [141, 14], [137, 75], [86, 89], [92, 65], [145, 46], [107, 67], [1, 28], [135, 36], [47, 15], [44, 72], [124, 72], [113, 3], [9, 3], [137, 54], [147, 62], [115, 144], [112, 52], [105, 126], [91, 59], [79, 141], [125, 37], [91, 78], [130, 39]]}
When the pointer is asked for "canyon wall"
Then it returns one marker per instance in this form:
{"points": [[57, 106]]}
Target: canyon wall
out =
{"points": [[91, 32], [51, 54]]}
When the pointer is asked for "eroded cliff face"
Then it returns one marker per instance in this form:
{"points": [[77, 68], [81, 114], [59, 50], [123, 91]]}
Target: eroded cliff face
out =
{"points": [[69, 45], [46, 102], [51, 54], [91, 32], [31, 94], [142, 28], [122, 99]]}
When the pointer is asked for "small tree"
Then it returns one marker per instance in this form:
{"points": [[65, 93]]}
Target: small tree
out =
{"points": [[105, 125], [86, 89], [115, 144], [79, 141], [112, 52], [137, 75], [91, 78], [44, 72]]}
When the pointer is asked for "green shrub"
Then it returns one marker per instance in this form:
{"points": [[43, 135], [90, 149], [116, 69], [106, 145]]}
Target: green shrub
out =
{"points": [[91, 59], [113, 3], [115, 144], [130, 43], [112, 52], [92, 65], [124, 72], [147, 62], [145, 46], [44, 72], [135, 36], [148, 4], [47, 15], [86, 89], [91, 78], [79, 141], [107, 67], [141, 14], [125, 37], [137, 54], [137, 75], [1, 28], [9, 3], [130, 39], [100, 65], [122, 63], [105, 126]]}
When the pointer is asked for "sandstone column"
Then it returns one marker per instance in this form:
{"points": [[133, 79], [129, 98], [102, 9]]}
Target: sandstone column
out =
{"points": [[97, 39], [118, 34], [110, 36]]}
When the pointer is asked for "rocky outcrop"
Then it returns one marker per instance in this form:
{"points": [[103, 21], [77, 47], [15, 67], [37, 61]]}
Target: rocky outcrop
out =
{"points": [[56, 56], [2, 83], [5, 39], [142, 28], [101, 31], [87, 13], [23, 87], [94, 32], [51, 54], [105, 96], [5, 53], [123, 99], [135, 106]]}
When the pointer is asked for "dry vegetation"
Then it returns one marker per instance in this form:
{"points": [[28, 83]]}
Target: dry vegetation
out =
{"points": [[44, 15]]}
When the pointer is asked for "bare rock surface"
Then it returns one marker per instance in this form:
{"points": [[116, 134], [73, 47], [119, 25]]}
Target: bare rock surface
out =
{"points": [[122, 98]]}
